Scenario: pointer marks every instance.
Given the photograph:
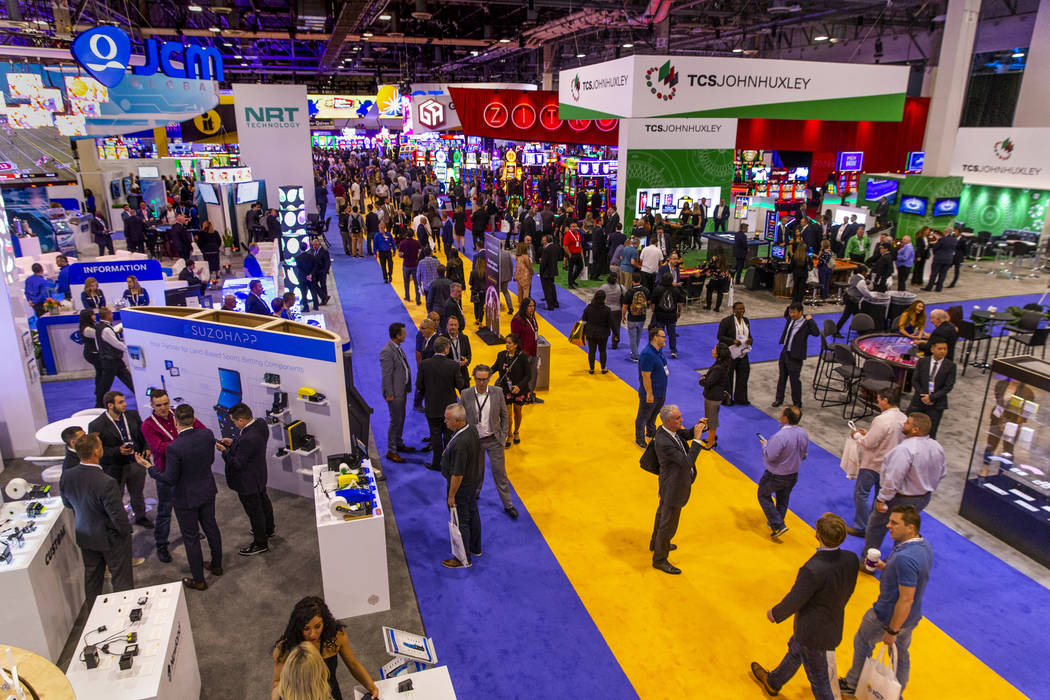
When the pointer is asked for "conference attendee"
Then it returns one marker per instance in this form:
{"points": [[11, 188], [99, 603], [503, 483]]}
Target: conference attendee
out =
{"points": [[101, 525], [134, 231], [912, 322], [667, 302], [459, 347], [322, 266], [523, 272], [549, 257], [701, 209], [253, 303], [187, 471], [823, 587], [943, 250], [922, 254], [89, 339], [715, 382], [62, 281], [408, 250], [439, 381], [629, 261], [782, 455], [159, 430], [463, 471], [69, 438], [438, 291], [210, 244], [905, 262], [943, 331], [614, 296], [486, 411], [111, 351], [572, 244], [649, 259], [882, 267], [825, 267], [355, 228], [793, 353], [120, 430], [397, 383], [454, 306], [253, 228], [856, 292], [180, 237], [92, 297], [251, 266], [898, 609], [910, 474], [37, 289], [273, 225], [229, 303], [135, 295], [858, 245], [245, 458], [307, 269], [801, 264], [932, 380], [875, 443], [383, 245], [959, 256], [634, 309], [721, 216], [718, 280], [740, 252], [514, 378], [311, 622], [597, 326], [371, 229], [677, 470], [652, 385], [304, 676], [735, 332], [101, 234], [525, 326]]}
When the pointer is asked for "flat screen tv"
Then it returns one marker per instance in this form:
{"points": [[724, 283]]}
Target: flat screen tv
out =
{"points": [[247, 192], [877, 189], [913, 205], [146, 171], [208, 193], [946, 207]]}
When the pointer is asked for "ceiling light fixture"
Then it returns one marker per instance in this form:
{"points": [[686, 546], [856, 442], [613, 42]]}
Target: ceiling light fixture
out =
{"points": [[834, 40], [504, 40], [628, 45], [385, 17], [738, 50], [226, 43], [195, 8], [581, 55], [367, 35], [215, 29], [473, 53], [1019, 54], [822, 37], [238, 56]]}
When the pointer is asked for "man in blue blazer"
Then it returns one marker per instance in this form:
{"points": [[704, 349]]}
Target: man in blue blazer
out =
{"points": [[245, 458], [254, 304], [187, 470]]}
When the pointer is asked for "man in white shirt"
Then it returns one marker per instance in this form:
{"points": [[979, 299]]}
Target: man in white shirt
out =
{"points": [[111, 351], [875, 443], [650, 263], [486, 410]]}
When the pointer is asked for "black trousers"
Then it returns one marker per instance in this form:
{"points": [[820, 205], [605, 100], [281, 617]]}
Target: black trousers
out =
{"points": [[956, 266], [550, 291], [575, 268], [902, 278], [386, 264], [259, 510], [849, 307], [162, 521], [790, 369], [664, 528], [117, 560], [798, 289], [916, 272], [469, 517], [137, 246], [105, 244], [739, 371], [599, 345], [308, 289], [938, 273], [714, 287], [741, 263], [439, 435], [189, 519], [108, 371]]}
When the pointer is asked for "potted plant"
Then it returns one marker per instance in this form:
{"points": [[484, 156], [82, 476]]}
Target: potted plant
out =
{"points": [[52, 306], [227, 244]]}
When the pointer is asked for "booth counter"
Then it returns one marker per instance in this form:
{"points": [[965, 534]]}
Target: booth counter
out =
{"points": [[161, 664], [431, 684], [42, 587]]}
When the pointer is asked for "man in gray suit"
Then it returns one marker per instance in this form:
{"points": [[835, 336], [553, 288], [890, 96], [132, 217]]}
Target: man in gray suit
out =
{"points": [[677, 472], [486, 411], [397, 384], [506, 274]]}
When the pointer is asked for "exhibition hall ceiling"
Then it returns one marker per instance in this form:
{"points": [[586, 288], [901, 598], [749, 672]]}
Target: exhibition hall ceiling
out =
{"points": [[352, 45]]}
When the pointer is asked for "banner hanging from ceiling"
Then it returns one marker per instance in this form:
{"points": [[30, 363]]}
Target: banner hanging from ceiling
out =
{"points": [[434, 113], [1011, 157], [698, 86], [518, 115]]}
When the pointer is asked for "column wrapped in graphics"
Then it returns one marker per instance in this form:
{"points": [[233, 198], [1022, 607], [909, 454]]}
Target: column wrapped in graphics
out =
{"points": [[294, 236]]}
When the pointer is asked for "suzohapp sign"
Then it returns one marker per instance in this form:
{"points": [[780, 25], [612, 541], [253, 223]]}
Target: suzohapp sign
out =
{"points": [[678, 134], [105, 53], [1012, 157], [693, 86]]}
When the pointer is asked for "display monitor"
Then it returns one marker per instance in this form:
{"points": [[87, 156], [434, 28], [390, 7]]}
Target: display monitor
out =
{"points": [[946, 207], [670, 202], [877, 189], [850, 161], [208, 193], [777, 252], [913, 205], [247, 192], [148, 171]]}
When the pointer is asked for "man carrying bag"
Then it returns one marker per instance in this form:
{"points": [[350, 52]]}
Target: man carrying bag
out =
{"points": [[459, 466]]}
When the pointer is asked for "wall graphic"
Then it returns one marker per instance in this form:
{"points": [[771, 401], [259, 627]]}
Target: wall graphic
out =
{"points": [[986, 208], [653, 169]]}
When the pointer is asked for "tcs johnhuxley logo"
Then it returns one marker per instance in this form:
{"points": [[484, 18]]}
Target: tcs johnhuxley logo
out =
{"points": [[1003, 149], [662, 81], [575, 88]]}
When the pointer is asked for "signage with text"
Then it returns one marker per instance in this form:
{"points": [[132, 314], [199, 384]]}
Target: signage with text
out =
{"points": [[526, 115], [1011, 157], [850, 161], [679, 134], [105, 53]]}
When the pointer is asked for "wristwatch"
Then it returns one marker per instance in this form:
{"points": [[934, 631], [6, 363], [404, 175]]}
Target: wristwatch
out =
{"points": [[890, 631]]}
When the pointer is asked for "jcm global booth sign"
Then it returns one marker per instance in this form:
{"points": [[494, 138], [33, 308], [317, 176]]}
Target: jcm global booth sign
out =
{"points": [[105, 53]]}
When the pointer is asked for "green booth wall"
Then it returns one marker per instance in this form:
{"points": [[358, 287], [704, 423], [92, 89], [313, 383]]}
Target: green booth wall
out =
{"points": [[932, 188], [988, 208], [648, 168]]}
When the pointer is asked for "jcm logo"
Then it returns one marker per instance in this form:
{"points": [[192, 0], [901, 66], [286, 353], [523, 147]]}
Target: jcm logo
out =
{"points": [[105, 53], [271, 117]]}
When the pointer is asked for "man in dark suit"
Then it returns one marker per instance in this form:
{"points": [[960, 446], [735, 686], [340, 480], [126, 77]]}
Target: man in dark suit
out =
{"points": [[454, 307], [943, 249], [796, 332], [740, 252], [933, 379], [135, 233], [439, 381], [812, 235], [397, 384], [463, 473], [306, 268], [735, 331], [254, 303], [677, 465], [121, 433], [818, 600], [245, 458], [942, 330], [273, 225], [188, 472], [69, 438], [702, 226], [549, 257], [322, 266], [102, 530], [181, 240], [846, 232], [721, 216]]}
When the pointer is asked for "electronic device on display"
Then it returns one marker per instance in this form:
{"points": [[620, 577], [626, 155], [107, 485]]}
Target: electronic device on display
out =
{"points": [[149, 171], [911, 204], [247, 192], [208, 193], [946, 207], [875, 189]]}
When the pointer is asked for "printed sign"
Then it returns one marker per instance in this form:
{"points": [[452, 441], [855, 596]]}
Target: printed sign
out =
{"points": [[105, 53], [1011, 157]]}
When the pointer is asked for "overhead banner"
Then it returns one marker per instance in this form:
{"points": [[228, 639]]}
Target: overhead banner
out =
{"points": [[112, 277], [532, 115], [697, 86], [273, 127], [434, 113], [210, 124], [1012, 157], [678, 134]]}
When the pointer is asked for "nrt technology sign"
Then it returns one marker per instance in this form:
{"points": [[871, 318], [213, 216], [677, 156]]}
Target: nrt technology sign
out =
{"points": [[105, 53]]}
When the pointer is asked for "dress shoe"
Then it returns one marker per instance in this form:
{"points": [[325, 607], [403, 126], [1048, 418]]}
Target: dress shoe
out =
{"points": [[135, 561], [640, 443], [215, 570], [670, 549], [163, 555], [761, 677], [728, 402], [512, 512], [855, 531], [144, 522], [253, 549], [395, 457], [454, 564], [667, 567], [195, 585], [777, 404], [778, 532], [406, 448]]}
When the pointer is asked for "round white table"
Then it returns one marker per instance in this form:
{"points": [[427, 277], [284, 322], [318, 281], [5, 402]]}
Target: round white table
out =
{"points": [[51, 434], [90, 412]]}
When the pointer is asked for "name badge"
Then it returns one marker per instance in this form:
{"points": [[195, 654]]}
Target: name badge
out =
{"points": [[667, 370], [931, 387]]}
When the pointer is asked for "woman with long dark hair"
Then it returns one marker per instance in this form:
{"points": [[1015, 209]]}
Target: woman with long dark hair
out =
{"points": [[311, 621], [596, 329], [801, 264], [716, 388], [512, 366], [526, 327], [459, 226]]}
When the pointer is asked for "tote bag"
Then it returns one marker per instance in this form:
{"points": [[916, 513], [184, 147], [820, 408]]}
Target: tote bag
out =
{"points": [[877, 680], [458, 550], [850, 462], [576, 335]]}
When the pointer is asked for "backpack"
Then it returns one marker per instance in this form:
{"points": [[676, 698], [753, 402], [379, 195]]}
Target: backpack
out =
{"points": [[667, 301], [355, 223], [638, 303]]}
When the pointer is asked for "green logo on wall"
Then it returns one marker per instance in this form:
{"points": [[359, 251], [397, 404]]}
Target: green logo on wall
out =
{"points": [[663, 83], [271, 117], [575, 88], [1004, 149]]}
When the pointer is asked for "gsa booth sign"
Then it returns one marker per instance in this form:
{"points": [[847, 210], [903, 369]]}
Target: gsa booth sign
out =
{"points": [[105, 53]]}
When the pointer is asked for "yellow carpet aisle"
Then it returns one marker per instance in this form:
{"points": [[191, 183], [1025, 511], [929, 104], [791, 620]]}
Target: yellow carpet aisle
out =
{"points": [[694, 635]]}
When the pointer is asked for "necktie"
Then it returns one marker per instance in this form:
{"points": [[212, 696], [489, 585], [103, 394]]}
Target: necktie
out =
{"points": [[933, 370]]}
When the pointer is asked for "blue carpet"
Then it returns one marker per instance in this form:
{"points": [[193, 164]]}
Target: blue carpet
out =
{"points": [[63, 399], [512, 626], [983, 603]]}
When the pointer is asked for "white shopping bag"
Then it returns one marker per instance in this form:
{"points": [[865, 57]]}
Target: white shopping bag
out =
{"points": [[877, 680], [850, 462], [458, 550]]}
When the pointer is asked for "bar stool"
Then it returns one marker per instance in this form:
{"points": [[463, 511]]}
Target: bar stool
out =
{"points": [[844, 370], [876, 375], [972, 337]]}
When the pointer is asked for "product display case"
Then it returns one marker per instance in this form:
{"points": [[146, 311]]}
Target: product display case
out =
{"points": [[1007, 489]]}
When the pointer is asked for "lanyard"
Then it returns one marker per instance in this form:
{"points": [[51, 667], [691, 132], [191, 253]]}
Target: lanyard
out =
{"points": [[126, 434], [160, 425], [481, 404], [454, 342]]}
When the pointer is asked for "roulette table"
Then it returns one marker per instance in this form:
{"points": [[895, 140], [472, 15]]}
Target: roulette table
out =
{"points": [[892, 348]]}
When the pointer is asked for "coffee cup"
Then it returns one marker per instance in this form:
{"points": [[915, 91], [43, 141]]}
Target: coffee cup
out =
{"points": [[872, 558]]}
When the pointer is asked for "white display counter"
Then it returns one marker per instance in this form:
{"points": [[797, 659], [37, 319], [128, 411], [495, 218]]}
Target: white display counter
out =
{"points": [[353, 556], [166, 664], [42, 589], [432, 684]]}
